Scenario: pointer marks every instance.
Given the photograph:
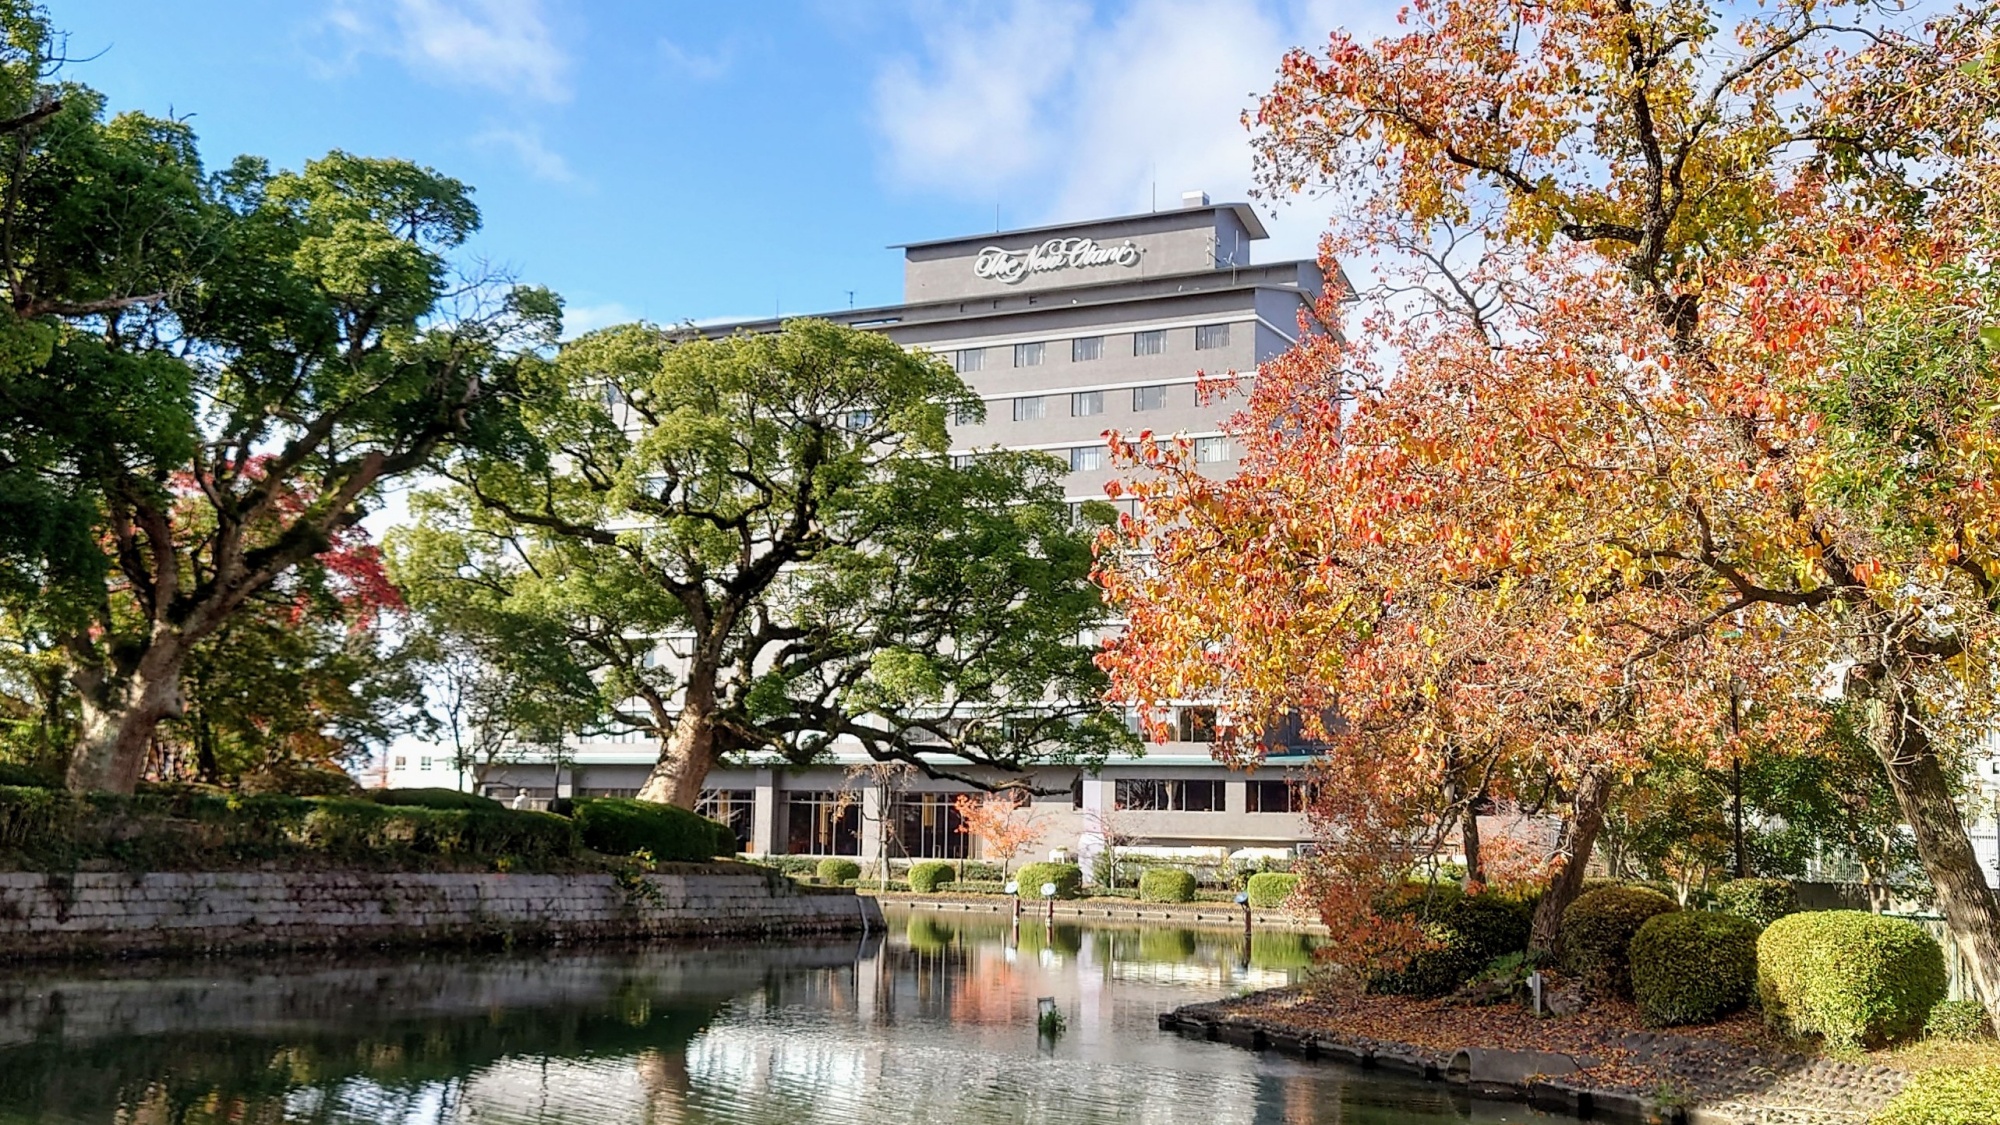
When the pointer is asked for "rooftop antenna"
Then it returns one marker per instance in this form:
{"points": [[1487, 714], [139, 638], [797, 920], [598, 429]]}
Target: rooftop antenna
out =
{"points": [[850, 298], [1156, 186]]}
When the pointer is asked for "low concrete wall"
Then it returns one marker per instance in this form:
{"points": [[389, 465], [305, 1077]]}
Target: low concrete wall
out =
{"points": [[90, 913]]}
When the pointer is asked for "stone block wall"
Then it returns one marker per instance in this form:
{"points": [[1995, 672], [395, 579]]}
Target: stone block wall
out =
{"points": [[85, 913]]}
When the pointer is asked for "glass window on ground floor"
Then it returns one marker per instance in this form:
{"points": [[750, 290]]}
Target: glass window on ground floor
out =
{"points": [[822, 822], [735, 807], [605, 791], [927, 826], [1147, 794]]}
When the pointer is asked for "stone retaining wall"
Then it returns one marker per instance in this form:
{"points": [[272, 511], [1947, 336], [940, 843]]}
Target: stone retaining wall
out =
{"points": [[90, 913]]}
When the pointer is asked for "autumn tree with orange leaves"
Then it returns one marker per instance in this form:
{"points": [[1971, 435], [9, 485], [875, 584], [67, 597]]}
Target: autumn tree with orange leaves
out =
{"points": [[1669, 386]]}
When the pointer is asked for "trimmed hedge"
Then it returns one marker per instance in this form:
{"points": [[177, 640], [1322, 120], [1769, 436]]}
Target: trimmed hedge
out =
{"points": [[29, 777], [1166, 884], [1268, 890], [1762, 901], [1693, 967], [1597, 932], [928, 876], [833, 871], [668, 833], [431, 799], [1949, 1095], [1855, 978], [1067, 877], [1465, 934], [179, 829], [1958, 1021]]}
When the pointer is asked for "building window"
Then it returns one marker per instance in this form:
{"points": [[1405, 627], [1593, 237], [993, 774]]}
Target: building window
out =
{"points": [[1150, 343], [1197, 724], [402, 762], [823, 822], [969, 359], [1033, 408], [1029, 355], [1211, 450], [1083, 349], [423, 763], [605, 791], [927, 827], [1083, 404], [1170, 796], [1274, 797], [1149, 398], [967, 414], [736, 808], [1210, 336], [1086, 459], [859, 420], [961, 460]]}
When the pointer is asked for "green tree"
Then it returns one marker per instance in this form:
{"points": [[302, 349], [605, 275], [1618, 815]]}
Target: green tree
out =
{"points": [[779, 511], [205, 379]]}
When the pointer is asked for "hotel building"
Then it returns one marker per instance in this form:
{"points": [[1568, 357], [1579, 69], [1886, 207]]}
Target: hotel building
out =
{"points": [[1064, 331]]}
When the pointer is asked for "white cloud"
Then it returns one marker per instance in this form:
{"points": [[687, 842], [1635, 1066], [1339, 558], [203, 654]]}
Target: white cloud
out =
{"points": [[579, 319], [699, 66], [502, 45], [526, 146], [1060, 113]]}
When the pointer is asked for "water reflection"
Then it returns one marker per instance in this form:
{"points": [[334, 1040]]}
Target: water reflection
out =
{"points": [[934, 1022]]}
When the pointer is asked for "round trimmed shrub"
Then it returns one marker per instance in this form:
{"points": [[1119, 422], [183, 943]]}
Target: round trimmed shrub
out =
{"points": [[1958, 1021], [668, 833], [1948, 1095], [1694, 966], [1763, 901], [1166, 884], [1268, 890], [928, 876], [1855, 978], [834, 871], [1067, 877], [1465, 934], [431, 799], [1597, 933]]}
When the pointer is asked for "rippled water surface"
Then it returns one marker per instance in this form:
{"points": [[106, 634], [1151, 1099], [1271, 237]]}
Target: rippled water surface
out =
{"points": [[934, 1022]]}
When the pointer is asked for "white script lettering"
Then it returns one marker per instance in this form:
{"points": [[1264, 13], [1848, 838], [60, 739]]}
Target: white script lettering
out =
{"points": [[1010, 266]]}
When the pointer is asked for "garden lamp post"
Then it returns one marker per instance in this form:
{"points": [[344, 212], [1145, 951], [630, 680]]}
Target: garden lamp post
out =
{"points": [[1243, 900], [1049, 895]]}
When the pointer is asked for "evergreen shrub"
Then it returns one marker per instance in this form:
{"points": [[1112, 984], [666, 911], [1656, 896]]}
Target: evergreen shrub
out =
{"points": [[1855, 978], [1067, 877], [431, 799], [1693, 966], [1268, 890], [1597, 932], [1958, 1021], [1763, 901], [1948, 1095], [1464, 934], [668, 833], [29, 777], [930, 875], [1166, 884], [834, 871]]}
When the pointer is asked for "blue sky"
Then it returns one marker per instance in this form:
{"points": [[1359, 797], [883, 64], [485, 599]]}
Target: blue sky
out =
{"points": [[677, 161]]}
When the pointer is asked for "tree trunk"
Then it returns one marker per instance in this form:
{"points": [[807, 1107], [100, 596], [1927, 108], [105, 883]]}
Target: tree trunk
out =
{"points": [[121, 713], [688, 753], [1468, 828], [1572, 854], [1924, 794]]}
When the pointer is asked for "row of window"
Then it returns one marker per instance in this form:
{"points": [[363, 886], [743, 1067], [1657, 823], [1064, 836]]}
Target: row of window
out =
{"points": [[1082, 404], [1152, 795], [1091, 458], [1084, 349]]}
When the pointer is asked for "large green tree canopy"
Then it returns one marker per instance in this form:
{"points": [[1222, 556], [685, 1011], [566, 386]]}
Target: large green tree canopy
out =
{"points": [[776, 514], [205, 379]]}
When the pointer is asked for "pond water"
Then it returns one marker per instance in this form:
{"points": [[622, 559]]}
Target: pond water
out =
{"points": [[933, 1022]]}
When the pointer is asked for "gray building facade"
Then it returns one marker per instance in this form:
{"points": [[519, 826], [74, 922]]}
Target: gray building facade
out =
{"points": [[1064, 332]]}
